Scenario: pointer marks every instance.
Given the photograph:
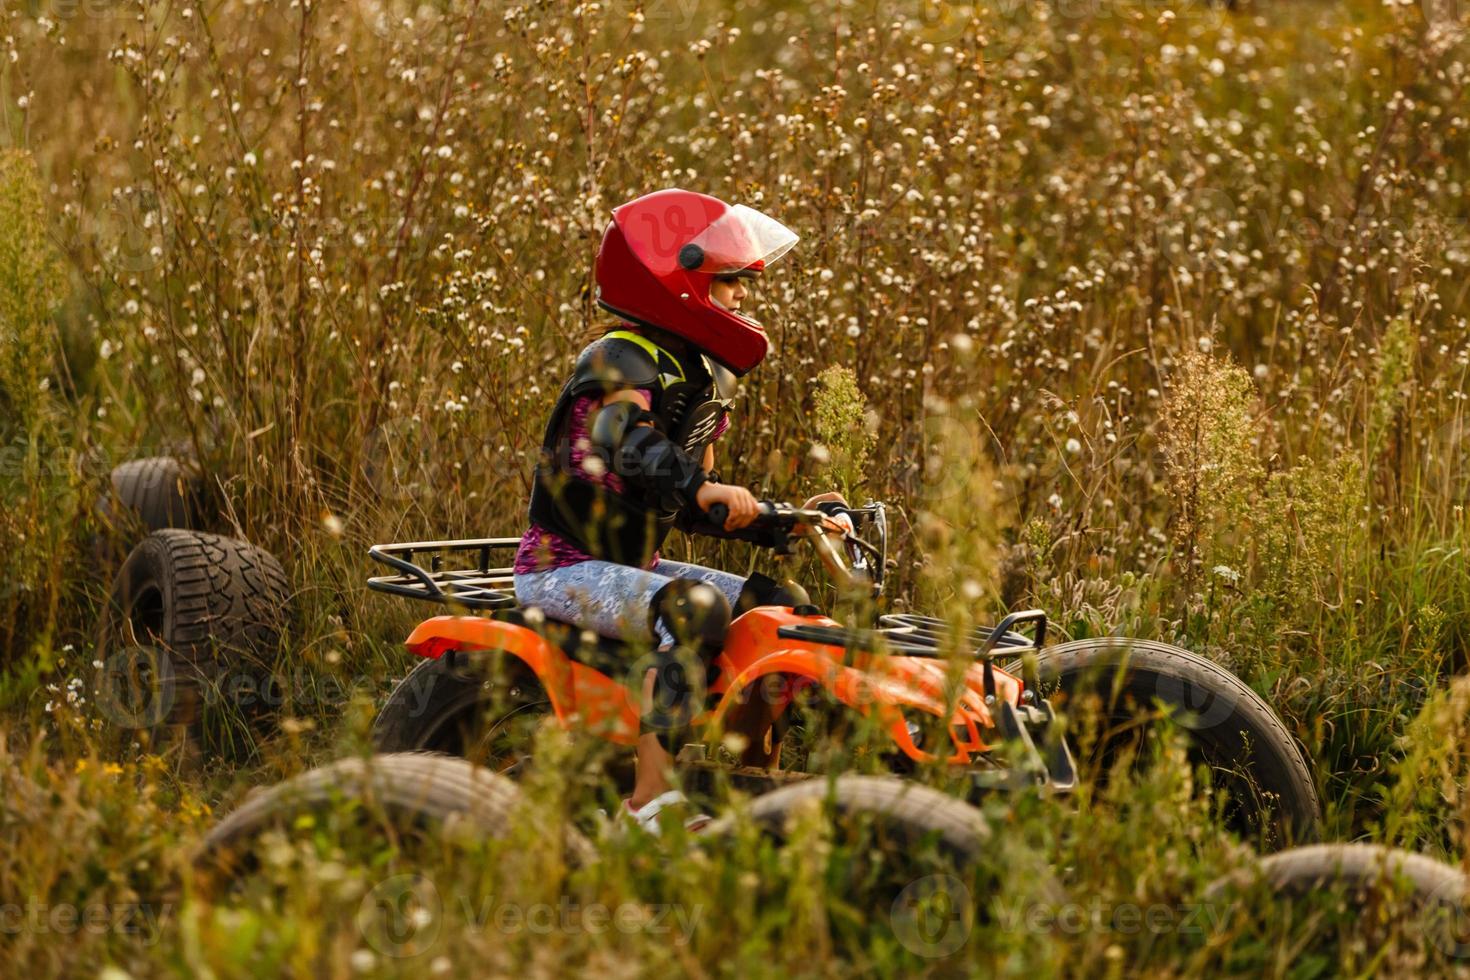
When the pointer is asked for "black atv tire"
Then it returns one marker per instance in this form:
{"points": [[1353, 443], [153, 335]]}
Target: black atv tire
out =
{"points": [[1231, 729], [408, 790], [456, 705], [191, 616], [161, 492], [903, 810]]}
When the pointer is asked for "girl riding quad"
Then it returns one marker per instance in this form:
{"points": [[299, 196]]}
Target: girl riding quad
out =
{"points": [[628, 454]]}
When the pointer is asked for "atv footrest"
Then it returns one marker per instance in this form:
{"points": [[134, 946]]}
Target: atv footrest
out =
{"points": [[1049, 765]]}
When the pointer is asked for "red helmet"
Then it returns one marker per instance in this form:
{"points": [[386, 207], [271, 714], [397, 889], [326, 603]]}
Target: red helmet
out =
{"points": [[661, 252]]}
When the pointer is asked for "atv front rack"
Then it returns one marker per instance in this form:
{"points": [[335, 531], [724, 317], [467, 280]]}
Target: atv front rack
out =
{"points": [[908, 635], [931, 633], [483, 586], [925, 636]]}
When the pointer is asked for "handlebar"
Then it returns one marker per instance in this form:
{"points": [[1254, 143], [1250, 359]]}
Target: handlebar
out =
{"points": [[769, 514], [776, 523]]}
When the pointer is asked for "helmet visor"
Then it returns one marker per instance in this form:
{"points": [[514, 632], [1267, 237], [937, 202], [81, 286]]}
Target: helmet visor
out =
{"points": [[740, 238]]}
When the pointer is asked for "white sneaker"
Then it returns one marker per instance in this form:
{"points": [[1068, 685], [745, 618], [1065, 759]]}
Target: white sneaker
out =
{"points": [[646, 816]]}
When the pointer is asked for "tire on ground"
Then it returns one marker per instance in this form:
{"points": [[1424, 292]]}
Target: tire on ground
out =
{"points": [[903, 811], [1231, 729], [160, 492], [1303, 870], [408, 790], [919, 862], [1435, 891], [191, 630]]}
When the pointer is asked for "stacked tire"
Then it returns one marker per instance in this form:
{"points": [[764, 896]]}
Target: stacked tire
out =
{"points": [[193, 620], [158, 492]]}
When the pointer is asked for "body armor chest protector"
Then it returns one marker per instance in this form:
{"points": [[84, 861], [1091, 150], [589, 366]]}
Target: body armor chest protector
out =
{"points": [[688, 397]]}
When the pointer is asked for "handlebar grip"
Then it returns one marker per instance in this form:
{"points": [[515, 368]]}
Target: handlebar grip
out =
{"points": [[718, 514]]}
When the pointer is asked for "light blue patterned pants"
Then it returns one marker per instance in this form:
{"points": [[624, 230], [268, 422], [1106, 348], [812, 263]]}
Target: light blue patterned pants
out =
{"points": [[614, 600]]}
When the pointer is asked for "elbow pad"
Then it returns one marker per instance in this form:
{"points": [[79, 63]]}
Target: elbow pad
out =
{"points": [[651, 460]]}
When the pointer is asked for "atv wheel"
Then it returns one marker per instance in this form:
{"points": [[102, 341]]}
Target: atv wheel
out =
{"points": [[478, 707], [192, 625], [1231, 730], [406, 794], [817, 733]]}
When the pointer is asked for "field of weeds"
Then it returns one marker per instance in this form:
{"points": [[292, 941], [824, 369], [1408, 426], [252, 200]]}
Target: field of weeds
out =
{"points": [[1152, 315]]}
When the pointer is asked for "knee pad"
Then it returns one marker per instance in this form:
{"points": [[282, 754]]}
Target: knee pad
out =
{"points": [[762, 590], [695, 614]]}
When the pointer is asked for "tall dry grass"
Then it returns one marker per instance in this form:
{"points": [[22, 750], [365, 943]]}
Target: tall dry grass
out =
{"points": [[1153, 316]]}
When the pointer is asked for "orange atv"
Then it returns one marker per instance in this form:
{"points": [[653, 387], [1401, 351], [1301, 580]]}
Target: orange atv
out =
{"points": [[787, 676]]}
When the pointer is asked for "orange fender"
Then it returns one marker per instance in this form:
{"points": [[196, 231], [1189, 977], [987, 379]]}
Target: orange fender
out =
{"points": [[755, 649], [580, 696], [865, 692]]}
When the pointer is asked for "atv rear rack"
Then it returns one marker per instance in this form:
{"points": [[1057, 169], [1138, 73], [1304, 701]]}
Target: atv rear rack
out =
{"points": [[483, 586]]}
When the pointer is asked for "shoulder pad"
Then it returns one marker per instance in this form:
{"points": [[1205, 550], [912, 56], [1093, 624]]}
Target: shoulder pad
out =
{"points": [[611, 363], [725, 383]]}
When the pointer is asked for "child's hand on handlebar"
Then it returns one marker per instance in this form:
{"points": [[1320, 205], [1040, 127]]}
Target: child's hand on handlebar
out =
{"points": [[831, 496], [741, 502]]}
